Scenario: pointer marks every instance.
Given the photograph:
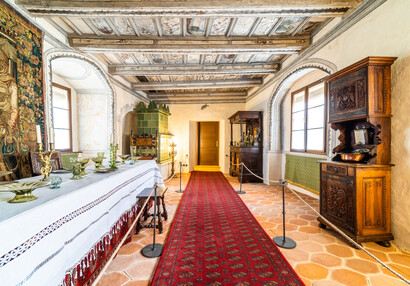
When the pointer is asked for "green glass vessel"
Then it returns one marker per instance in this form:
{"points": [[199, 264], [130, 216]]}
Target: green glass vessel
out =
{"points": [[113, 156]]}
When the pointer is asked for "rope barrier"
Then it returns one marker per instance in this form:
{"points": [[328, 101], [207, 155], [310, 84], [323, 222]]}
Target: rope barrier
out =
{"points": [[330, 224], [124, 238], [169, 178]]}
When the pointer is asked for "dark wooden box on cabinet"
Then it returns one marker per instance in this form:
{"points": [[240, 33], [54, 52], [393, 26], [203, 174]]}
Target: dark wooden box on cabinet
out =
{"points": [[250, 155], [355, 196]]}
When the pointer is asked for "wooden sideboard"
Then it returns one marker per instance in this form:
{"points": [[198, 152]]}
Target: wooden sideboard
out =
{"points": [[249, 147], [355, 196]]}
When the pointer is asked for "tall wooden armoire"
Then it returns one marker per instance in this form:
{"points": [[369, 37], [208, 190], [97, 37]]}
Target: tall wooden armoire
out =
{"points": [[355, 184]]}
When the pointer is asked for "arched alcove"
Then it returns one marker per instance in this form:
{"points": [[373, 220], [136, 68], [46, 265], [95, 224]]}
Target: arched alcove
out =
{"points": [[129, 122], [93, 102], [281, 89]]}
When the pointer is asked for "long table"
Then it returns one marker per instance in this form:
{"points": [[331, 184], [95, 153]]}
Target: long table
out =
{"points": [[67, 234]]}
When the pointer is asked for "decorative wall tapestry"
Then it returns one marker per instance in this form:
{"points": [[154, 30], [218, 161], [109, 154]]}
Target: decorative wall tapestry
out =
{"points": [[21, 90]]}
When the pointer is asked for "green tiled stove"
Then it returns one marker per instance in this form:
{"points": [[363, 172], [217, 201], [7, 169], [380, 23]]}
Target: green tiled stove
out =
{"points": [[152, 120]]}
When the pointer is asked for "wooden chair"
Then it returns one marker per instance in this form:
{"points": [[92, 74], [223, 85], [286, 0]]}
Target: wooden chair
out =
{"points": [[144, 146], [36, 162]]}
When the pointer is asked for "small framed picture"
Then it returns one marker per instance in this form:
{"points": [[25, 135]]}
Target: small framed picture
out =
{"points": [[360, 137]]}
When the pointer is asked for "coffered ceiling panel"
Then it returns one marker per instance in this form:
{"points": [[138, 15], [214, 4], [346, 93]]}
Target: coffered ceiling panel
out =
{"points": [[182, 50]]}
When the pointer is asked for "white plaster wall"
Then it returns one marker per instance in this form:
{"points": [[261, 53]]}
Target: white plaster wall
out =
{"points": [[93, 123], [74, 111], [181, 124], [124, 102], [384, 32]]}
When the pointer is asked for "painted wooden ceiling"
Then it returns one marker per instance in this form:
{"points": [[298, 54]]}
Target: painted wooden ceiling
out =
{"points": [[182, 52]]}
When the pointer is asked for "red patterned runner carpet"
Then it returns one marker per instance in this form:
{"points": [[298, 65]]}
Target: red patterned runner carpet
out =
{"points": [[215, 240]]}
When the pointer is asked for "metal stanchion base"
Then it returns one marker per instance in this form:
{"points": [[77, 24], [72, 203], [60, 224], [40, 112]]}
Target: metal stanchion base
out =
{"points": [[287, 243], [179, 191], [150, 251], [240, 192]]}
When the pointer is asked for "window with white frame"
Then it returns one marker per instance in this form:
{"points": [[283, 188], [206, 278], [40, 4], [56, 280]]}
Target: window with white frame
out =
{"points": [[61, 101], [309, 119]]}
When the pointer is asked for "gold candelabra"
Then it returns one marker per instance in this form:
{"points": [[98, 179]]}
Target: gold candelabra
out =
{"points": [[45, 158], [172, 153]]}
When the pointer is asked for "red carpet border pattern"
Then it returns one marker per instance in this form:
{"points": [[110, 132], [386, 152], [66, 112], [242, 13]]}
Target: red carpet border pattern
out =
{"points": [[215, 240]]}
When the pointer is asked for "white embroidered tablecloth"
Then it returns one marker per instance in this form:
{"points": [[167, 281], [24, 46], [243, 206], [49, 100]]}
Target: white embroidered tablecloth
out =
{"points": [[41, 239]]}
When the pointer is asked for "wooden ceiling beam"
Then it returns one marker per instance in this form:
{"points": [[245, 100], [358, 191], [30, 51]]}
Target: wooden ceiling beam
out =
{"points": [[238, 69], [206, 100], [204, 84], [184, 45], [195, 95], [183, 8]]}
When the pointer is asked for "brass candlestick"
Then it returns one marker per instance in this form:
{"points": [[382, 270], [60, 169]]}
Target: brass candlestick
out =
{"points": [[173, 153], [45, 160]]}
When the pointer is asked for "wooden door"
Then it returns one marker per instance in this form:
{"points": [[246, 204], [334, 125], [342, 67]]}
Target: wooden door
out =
{"points": [[208, 141]]}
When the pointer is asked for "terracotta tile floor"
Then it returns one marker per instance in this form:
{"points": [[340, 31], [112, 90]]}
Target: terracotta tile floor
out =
{"points": [[320, 258]]}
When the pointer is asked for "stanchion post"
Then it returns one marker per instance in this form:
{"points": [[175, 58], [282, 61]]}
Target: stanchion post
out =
{"points": [[240, 187], [154, 249], [283, 241], [180, 179]]}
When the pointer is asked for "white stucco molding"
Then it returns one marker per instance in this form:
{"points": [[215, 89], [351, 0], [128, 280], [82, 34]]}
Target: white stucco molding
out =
{"points": [[56, 53], [281, 88]]}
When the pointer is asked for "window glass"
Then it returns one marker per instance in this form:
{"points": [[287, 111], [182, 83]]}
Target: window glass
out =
{"points": [[60, 98], [298, 140], [316, 117], [308, 119], [61, 117], [315, 139], [298, 120], [316, 95], [62, 139], [299, 101]]}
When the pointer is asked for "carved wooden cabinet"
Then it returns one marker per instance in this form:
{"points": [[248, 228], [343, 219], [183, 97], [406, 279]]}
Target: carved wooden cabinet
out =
{"points": [[249, 146], [355, 195], [356, 198]]}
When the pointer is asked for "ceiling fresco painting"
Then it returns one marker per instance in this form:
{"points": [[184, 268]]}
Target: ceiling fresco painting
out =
{"points": [[145, 26], [171, 26], [123, 26], [102, 26], [221, 49]]}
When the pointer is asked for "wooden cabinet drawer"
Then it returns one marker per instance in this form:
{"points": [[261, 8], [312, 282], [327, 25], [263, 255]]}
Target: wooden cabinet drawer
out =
{"points": [[338, 170]]}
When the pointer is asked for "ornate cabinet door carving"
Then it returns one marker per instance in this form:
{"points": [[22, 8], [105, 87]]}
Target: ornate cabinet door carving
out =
{"points": [[356, 198], [338, 201], [347, 96]]}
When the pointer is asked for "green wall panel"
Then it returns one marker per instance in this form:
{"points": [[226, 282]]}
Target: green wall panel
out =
{"points": [[304, 171]]}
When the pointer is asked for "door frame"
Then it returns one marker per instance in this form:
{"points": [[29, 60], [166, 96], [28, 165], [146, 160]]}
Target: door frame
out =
{"points": [[199, 141]]}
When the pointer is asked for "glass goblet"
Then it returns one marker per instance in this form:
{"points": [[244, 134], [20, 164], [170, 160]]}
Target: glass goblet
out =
{"points": [[84, 162], [98, 162], [76, 171]]}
